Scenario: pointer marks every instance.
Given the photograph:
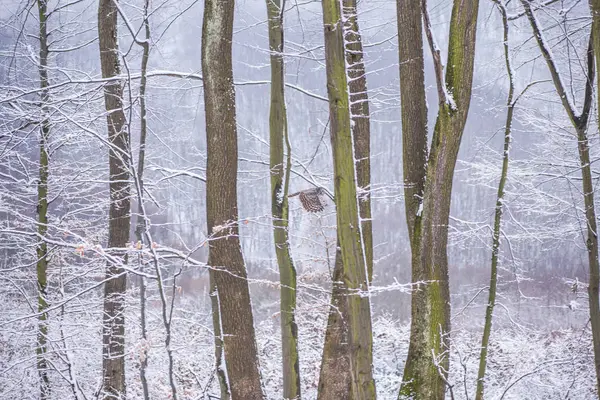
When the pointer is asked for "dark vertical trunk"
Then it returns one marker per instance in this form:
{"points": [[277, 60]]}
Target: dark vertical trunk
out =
{"points": [[413, 106], [427, 362], [594, 283], [225, 258], [353, 280], [280, 178], [42, 208], [113, 333]]}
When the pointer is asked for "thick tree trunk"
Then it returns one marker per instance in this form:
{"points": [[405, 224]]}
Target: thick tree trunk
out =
{"points": [[413, 106], [335, 380], [487, 328], [113, 333], [42, 209], [353, 280], [280, 178], [227, 268], [592, 233], [427, 362]]}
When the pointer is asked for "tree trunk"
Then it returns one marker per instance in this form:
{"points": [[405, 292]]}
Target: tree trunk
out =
{"points": [[353, 279], [580, 123], [487, 328], [361, 126], [592, 236], [113, 333], [42, 209], [225, 258], [413, 106], [427, 362], [140, 224], [335, 380], [280, 178]]}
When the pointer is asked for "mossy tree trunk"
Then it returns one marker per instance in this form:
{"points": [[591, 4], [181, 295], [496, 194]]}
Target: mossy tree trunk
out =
{"points": [[361, 123], [113, 333], [42, 207], [335, 379], [232, 309], [427, 363], [489, 311], [280, 179], [353, 278]]}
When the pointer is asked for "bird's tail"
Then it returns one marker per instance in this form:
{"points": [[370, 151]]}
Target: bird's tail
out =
{"points": [[294, 194]]}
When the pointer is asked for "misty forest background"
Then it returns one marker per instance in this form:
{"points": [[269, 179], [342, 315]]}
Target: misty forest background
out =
{"points": [[541, 341]]}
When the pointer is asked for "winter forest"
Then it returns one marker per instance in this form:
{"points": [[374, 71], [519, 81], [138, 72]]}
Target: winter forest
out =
{"points": [[299, 199]]}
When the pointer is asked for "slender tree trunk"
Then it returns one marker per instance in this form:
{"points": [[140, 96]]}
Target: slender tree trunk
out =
{"points": [[335, 381], [140, 225], [280, 178], [113, 334], [580, 123], [487, 328], [225, 259], [42, 209], [220, 367], [354, 276], [427, 363], [593, 243]]}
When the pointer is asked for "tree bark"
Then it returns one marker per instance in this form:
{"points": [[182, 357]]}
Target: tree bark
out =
{"points": [[354, 277], [580, 123], [228, 272], [594, 283], [140, 224], [427, 363], [361, 124], [280, 179], [413, 106], [42, 208], [489, 311], [113, 333], [335, 380]]}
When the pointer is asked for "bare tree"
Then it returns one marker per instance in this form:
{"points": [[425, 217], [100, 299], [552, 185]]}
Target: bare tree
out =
{"points": [[335, 379], [510, 104], [594, 283], [351, 264], [113, 334], [42, 207], [280, 182], [232, 310], [427, 362], [579, 121]]}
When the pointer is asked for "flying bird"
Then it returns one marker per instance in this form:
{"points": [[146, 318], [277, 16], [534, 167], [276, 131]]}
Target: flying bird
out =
{"points": [[311, 199]]}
